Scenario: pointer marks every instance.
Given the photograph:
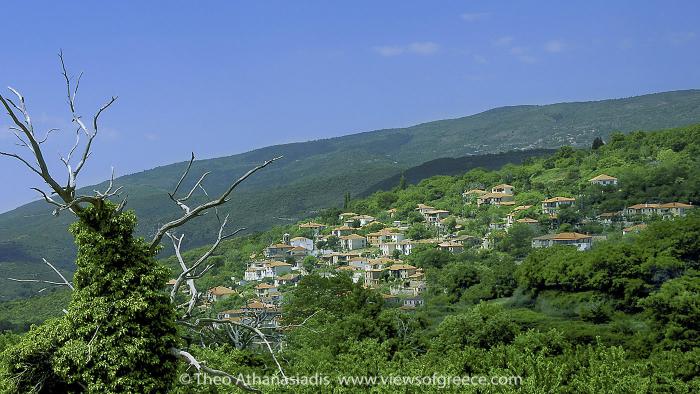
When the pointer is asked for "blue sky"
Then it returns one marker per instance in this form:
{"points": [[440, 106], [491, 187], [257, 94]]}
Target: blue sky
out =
{"points": [[219, 78]]}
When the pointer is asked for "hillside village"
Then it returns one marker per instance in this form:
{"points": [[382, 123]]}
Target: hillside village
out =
{"points": [[374, 251]]}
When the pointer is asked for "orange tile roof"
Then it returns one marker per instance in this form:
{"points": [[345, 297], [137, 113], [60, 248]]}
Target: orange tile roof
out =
{"points": [[312, 225], [560, 199], [564, 237], [641, 206], [603, 177], [676, 205], [450, 244], [352, 236], [221, 290], [278, 264], [570, 236], [281, 246], [397, 267]]}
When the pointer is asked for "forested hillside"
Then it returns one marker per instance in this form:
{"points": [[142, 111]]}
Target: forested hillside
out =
{"points": [[316, 174], [621, 317]]}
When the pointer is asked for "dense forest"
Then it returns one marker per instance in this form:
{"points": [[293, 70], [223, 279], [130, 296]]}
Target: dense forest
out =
{"points": [[622, 317]]}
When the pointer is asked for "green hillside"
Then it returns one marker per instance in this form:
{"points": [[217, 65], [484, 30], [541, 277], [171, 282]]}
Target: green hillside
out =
{"points": [[621, 317], [317, 174]]}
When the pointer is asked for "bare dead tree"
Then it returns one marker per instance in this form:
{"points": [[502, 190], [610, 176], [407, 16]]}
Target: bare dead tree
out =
{"points": [[63, 197], [23, 129], [195, 270], [191, 213]]}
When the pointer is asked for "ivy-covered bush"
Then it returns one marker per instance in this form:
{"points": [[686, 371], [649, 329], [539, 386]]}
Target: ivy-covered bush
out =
{"points": [[119, 327]]}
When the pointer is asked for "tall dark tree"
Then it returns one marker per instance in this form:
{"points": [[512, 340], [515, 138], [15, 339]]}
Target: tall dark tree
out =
{"points": [[402, 182], [597, 143]]}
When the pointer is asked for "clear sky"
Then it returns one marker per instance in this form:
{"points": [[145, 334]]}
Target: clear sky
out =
{"points": [[223, 77]]}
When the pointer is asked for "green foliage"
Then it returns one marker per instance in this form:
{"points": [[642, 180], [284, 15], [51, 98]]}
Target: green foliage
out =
{"points": [[420, 231], [619, 318], [627, 271], [482, 326], [518, 240], [675, 309], [120, 325], [47, 305]]}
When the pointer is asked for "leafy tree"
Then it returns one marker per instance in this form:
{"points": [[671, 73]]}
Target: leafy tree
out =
{"points": [[675, 309], [419, 231], [426, 256], [483, 326], [309, 264], [331, 216], [518, 241], [331, 242]]}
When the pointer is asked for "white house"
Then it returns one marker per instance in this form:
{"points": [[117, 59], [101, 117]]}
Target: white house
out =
{"points": [[452, 247], [413, 302], [494, 199], [353, 242], [580, 241], [502, 188], [361, 263], [385, 235], [277, 251], [314, 227], [219, 293], [274, 269], [551, 206], [603, 180], [302, 242], [342, 230], [402, 271], [364, 219], [422, 208], [264, 289], [434, 216], [666, 210]]}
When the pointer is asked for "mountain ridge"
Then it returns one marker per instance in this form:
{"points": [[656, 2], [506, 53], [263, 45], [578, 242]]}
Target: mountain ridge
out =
{"points": [[316, 174]]}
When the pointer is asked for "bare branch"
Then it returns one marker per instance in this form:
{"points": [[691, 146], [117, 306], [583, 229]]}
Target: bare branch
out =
{"points": [[257, 331], [64, 283], [184, 175], [189, 274], [200, 367], [18, 157], [46, 137], [208, 205]]}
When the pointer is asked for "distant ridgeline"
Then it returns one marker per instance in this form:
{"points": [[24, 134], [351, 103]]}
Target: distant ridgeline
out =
{"points": [[454, 166], [572, 197], [317, 174]]}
